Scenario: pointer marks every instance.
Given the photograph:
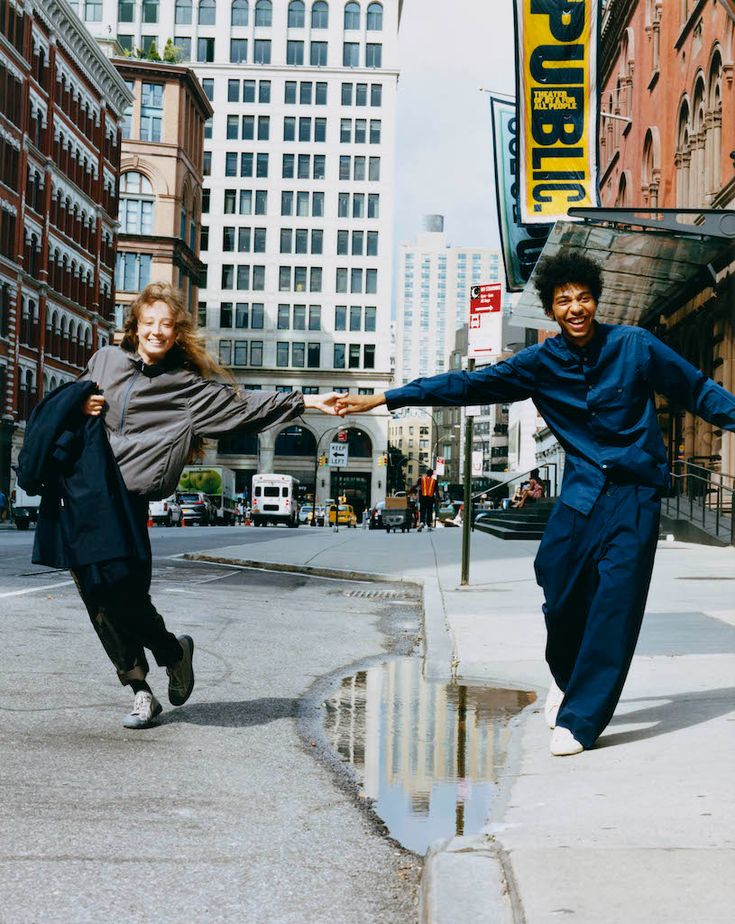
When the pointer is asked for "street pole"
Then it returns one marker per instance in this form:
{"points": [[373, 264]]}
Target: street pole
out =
{"points": [[467, 518]]}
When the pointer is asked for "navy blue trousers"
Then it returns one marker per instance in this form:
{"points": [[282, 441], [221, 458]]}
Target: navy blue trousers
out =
{"points": [[595, 572]]}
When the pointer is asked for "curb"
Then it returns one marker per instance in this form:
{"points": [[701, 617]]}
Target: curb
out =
{"points": [[303, 569]]}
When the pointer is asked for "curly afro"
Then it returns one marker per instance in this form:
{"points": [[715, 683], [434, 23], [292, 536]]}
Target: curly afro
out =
{"points": [[568, 266]]}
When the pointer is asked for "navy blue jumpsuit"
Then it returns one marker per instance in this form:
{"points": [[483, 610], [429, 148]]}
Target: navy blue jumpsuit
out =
{"points": [[595, 560]]}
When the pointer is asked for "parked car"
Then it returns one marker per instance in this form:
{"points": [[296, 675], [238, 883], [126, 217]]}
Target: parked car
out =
{"points": [[376, 516], [165, 512], [196, 508], [345, 516]]}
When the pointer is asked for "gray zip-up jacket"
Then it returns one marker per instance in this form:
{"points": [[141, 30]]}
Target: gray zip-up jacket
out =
{"points": [[154, 412]]}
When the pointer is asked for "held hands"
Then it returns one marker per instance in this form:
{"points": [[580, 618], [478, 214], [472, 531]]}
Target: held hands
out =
{"points": [[324, 403], [358, 404], [94, 405]]}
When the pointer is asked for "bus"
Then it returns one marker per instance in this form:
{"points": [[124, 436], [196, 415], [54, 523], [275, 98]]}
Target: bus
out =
{"points": [[275, 500]]}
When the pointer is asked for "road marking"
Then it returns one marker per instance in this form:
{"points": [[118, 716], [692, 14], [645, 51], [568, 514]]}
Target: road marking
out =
{"points": [[34, 590]]}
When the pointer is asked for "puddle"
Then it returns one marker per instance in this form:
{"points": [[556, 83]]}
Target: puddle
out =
{"points": [[428, 754]]}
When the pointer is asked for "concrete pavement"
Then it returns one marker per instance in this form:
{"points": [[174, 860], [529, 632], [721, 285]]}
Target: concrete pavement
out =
{"points": [[639, 829]]}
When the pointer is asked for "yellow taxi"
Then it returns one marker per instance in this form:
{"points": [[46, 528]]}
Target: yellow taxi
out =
{"points": [[345, 516]]}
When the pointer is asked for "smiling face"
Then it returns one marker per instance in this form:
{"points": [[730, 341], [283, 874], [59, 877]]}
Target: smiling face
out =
{"points": [[156, 331], [573, 308]]}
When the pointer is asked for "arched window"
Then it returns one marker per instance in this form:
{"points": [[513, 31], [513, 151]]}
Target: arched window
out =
{"points": [[683, 156], [207, 12], [136, 204], [359, 444], [183, 12], [239, 13], [320, 15], [238, 444], [352, 16], [651, 172], [375, 17], [296, 14], [264, 13], [295, 441], [713, 178], [697, 140]]}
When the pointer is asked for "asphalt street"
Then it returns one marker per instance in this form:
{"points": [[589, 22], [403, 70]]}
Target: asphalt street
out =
{"points": [[234, 808]]}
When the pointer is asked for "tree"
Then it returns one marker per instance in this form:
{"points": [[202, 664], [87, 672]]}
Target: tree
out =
{"points": [[153, 54], [171, 52]]}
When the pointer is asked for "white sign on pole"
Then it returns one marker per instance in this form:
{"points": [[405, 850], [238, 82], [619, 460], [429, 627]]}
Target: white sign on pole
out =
{"points": [[338, 455], [486, 321], [439, 467], [477, 460]]}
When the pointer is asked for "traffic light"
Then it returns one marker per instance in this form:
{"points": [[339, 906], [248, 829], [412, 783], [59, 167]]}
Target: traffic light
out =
{"points": [[341, 436], [322, 460]]}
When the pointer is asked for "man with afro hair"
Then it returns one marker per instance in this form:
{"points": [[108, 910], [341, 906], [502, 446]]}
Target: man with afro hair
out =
{"points": [[594, 385]]}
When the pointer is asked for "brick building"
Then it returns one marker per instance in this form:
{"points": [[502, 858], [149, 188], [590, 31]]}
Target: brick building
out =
{"points": [[61, 104], [667, 141]]}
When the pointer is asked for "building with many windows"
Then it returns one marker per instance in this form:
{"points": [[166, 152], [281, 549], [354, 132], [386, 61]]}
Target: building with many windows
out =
{"points": [[61, 104], [160, 181], [297, 206]]}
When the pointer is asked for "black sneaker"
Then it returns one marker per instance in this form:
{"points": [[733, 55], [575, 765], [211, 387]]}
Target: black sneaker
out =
{"points": [[181, 675]]}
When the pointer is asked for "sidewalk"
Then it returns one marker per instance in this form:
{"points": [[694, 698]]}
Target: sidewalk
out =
{"points": [[639, 829]]}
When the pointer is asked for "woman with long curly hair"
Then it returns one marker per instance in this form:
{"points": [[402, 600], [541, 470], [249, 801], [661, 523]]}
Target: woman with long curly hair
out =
{"points": [[161, 395]]}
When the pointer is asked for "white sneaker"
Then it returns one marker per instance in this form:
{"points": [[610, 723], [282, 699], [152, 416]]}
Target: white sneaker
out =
{"points": [[145, 709], [553, 700], [563, 743]]}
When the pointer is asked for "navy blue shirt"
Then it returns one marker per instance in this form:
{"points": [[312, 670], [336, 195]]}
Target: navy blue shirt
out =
{"points": [[598, 400]]}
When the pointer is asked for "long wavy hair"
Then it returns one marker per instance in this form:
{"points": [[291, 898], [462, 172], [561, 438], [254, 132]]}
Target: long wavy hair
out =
{"points": [[189, 350]]}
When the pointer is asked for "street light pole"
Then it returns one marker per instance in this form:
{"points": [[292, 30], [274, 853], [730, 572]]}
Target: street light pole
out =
{"points": [[467, 518]]}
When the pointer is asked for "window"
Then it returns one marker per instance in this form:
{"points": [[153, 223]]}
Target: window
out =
{"points": [[282, 354], [373, 206], [355, 318], [248, 128], [354, 360], [340, 317], [315, 317], [360, 130], [233, 91], [289, 94], [320, 15], [207, 12], [376, 94], [298, 351], [375, 131], [284, 316], [151, 112], [243, 240], [202, 314], [136, 204], [352, 16], [320, 129], [317, 204], [361, 94], [356, 280], [371, 281], [228, 238], [239, 13], [205, 49], [321, 93], [368, 356], [208, 128], [346, 94], [206, 193], [238, 50], [150, 11], [304, 129], [372, 239], [296, 14], [125, 10], [241, 353], [208, 87], [207, 163], [345, 131], [261, 169], [294, 52], [225, 314], [287, 166], [344, 166], [319, 167], [374, 168], [314, 355], [341, 279], [262, 51], [241, 315], [133, 271], [359, 168], [289, 128], [373, 55], [264, 91], [286, 202], [225, 352], [370, 313], [126, 43], [263, 13], [204, 237], [228, 275], [257, 314], [182, 16], [318, 54], [375, 17], [256, 352], [317, 240], [343, 205], [264, 123], [261, 201], [93, 11], [350, 54], [339, 355]]}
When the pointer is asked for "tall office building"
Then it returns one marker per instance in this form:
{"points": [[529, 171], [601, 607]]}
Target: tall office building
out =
{"points": [[297, 206], [433, 297]]}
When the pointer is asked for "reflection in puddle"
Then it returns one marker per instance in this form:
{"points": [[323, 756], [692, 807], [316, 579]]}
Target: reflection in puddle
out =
{"points": [[428, 753]]}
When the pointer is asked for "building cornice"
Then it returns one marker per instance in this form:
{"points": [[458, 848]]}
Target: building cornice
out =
{"points": [[62, 22]]}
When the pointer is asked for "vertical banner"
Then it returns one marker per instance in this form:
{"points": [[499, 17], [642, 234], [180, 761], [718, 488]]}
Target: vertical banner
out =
{"points": [[485, 333], [556, 69], [521, 244]]}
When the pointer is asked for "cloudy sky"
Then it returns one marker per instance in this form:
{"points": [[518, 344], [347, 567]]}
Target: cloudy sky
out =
{"points": [[448, 50]]}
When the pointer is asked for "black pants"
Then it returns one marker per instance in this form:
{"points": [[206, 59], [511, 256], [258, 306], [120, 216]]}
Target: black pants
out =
{"points": [[426, 510], [117, 597], [595, 572]]}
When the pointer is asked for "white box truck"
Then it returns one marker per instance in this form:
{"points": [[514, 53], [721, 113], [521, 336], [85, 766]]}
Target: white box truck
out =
{"points": [[218, 483], [24, 507], [275, 500]]}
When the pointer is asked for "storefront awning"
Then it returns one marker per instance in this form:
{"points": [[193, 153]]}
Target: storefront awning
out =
{"points": [[653, 260]]}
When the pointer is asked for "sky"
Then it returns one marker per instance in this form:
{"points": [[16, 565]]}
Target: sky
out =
{"points": [[448, 49]]}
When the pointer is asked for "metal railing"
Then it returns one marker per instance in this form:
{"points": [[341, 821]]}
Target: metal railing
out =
{"points": [[702, 496]]}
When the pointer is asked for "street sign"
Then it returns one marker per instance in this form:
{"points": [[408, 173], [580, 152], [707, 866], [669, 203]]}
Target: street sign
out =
{"points": [[338, 455], [486, 320], [439, 467], [477, 460]]}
